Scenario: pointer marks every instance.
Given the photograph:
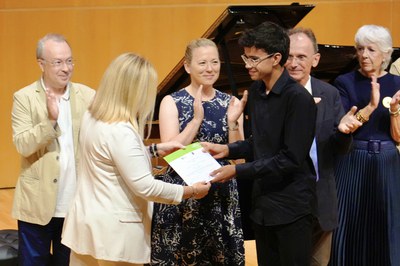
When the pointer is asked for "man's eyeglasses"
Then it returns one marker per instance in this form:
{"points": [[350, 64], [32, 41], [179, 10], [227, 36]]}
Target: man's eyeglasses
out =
{"points": [[253, 62], [58, 63]]}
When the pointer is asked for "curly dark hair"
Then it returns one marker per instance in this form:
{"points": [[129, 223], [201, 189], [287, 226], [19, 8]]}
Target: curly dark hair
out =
{"points": [[268, 36]]}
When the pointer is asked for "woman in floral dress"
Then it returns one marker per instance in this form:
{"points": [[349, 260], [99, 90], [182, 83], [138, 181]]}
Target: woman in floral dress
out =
{"points": [[207, 231]]}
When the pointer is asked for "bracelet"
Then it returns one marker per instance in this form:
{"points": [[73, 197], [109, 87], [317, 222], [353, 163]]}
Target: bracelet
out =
{"points": [[396, 113], [153, 150], [360, 117], [235, 127]]}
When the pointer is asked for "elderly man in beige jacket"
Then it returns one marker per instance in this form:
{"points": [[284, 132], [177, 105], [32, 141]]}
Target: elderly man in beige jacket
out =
{"points": [[46, 117]]}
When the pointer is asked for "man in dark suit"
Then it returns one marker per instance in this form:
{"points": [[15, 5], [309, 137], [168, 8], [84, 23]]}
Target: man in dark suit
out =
{"points": [[332, 136]]}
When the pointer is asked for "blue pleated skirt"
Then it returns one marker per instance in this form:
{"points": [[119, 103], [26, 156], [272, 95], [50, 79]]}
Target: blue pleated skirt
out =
{"points": [[368, 186]]}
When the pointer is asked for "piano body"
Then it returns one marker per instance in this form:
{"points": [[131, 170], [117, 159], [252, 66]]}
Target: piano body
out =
{"points": [[234, 78]]}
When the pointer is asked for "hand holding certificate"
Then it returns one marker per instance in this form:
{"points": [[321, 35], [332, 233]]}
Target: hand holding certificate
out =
{"points": [[192, 163]]}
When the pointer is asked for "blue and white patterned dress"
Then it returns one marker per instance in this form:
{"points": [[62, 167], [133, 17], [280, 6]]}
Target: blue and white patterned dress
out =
{"points": [[206, 231]]}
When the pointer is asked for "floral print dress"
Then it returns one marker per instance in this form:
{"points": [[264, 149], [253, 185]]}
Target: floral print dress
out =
{"points": [[206, 231]]}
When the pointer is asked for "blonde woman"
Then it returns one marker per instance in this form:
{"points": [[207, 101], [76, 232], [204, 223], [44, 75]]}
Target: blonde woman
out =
{"points": [[110, 217], [207, 231]]}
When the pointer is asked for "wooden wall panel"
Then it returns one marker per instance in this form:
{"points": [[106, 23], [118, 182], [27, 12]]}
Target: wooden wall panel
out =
{"points": [[99, 30], [336, 23]]}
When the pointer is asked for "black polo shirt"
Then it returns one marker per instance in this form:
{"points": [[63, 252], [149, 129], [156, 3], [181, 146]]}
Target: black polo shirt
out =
{"points": [[283, 127]]}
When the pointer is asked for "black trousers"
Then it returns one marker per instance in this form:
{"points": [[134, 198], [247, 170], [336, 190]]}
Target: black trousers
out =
{"points": [[285, 245]]}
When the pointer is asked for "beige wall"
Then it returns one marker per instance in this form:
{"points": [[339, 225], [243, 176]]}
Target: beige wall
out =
{"points": [[99, 30]]}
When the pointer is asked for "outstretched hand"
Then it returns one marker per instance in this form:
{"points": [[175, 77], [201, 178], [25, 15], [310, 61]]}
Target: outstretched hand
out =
{"points": [[166, 148], [236, 107], [201, 189], [395, 102], [52, 102], [198, 105], [223, 174], [218, 151], [349, 123], [375, 92]]}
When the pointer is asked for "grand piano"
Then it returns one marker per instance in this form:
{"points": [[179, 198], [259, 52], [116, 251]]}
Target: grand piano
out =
{"points": [[234, 78], [225, 32]]}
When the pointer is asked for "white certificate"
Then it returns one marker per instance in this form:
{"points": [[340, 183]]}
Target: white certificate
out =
{"points": [[192, 163]]}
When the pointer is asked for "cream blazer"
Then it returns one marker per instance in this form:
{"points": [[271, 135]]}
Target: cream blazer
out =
{"points": [[110, 216], [395, 67], [36, 141]]}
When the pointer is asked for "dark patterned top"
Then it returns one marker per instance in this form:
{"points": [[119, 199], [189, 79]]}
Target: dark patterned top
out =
{"points": [[206, 231]]}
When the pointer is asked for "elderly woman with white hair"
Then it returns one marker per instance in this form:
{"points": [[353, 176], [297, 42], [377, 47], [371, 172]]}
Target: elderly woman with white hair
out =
{"points": [[368, 178]]}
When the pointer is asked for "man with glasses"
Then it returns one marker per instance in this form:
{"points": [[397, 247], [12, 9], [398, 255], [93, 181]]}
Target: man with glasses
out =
{"points": [[333, 136], [46, 117], [282, 117]]}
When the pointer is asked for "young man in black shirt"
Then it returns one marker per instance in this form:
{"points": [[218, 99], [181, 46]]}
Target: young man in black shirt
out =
{"points": [[282, 116]]}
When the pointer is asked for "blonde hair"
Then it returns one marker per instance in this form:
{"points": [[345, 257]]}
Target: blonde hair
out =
{"points": [[127, 93], [201, 42]]}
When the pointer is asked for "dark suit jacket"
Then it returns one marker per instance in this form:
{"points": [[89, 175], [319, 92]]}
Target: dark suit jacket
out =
{"points": [[330, 142]]}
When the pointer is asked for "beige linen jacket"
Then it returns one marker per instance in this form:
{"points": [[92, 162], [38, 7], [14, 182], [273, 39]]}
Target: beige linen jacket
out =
{"points": [[395, 67], [36, 141], [110, 216]]}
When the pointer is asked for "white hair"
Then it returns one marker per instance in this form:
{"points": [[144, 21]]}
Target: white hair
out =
{"points": [[373, 34]]}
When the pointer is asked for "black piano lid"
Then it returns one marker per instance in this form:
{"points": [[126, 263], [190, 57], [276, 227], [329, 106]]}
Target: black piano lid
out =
{"points": [[225, 32]]}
